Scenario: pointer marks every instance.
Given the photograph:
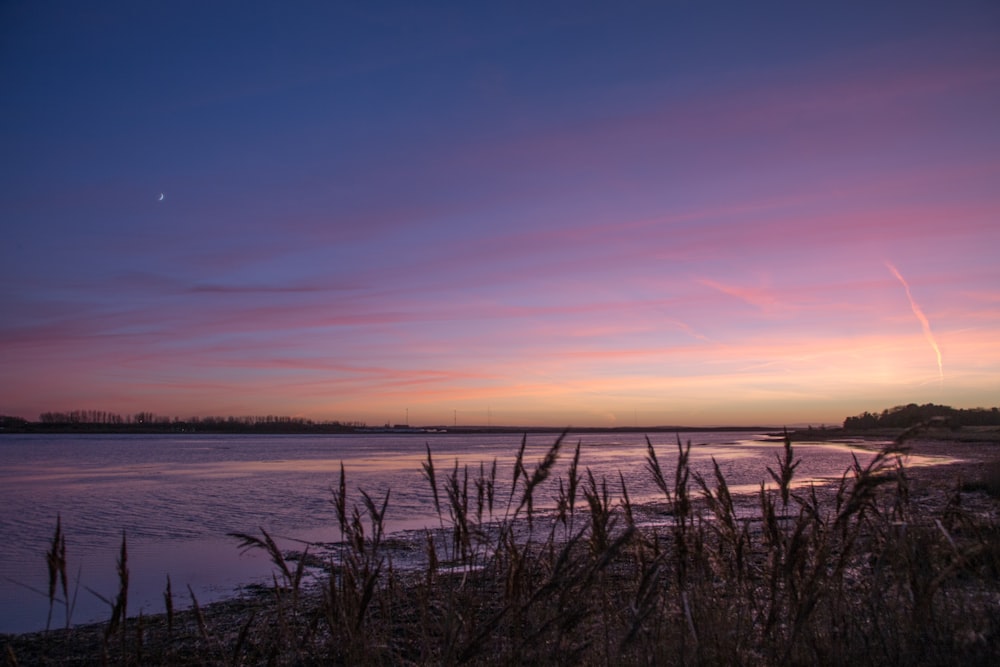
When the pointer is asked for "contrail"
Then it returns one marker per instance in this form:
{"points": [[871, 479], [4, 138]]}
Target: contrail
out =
{"points": [[923, 320]]}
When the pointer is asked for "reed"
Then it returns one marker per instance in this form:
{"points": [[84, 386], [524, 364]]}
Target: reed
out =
{"points": [[168, 605], [56, 561], [867, 571]]}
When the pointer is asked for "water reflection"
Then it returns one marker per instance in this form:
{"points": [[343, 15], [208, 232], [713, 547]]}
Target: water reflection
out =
{"points": [[176, 497]]}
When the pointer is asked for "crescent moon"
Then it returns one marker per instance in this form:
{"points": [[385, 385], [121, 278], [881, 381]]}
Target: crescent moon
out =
{"points": [[161, 196]]}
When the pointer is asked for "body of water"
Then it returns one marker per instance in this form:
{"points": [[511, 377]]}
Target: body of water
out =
{"points": [[176, 497]]}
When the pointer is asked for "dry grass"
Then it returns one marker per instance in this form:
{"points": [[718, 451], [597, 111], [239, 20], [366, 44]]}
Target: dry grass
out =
{"points": [[856, 573]]}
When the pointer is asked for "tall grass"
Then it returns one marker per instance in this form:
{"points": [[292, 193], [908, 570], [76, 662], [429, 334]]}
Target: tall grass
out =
{"points": [[854, 573], [55, 559]]}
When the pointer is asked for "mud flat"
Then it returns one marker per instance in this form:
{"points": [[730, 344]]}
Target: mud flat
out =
{"points": [[898, 564]]}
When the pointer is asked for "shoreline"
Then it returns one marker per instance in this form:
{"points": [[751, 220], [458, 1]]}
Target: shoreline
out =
{"points": [[976, 464]]}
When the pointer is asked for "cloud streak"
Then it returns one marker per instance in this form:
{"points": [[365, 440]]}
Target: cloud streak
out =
{"points": [[690, 227], [924, 322]]}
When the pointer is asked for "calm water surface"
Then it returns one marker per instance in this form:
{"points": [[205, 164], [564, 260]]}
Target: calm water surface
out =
{"points": [[177, 496]]}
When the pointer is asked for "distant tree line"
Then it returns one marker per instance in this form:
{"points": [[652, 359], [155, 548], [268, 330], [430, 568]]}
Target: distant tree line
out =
{"points": [[268, 423], [102, 421], [93, 417], [904, 416]]}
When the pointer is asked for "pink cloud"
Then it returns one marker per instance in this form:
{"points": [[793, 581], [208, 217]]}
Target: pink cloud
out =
{"points": [[691, 241], [763, 299]]}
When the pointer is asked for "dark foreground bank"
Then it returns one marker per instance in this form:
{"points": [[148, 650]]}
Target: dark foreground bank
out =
{"points": [[894, 564]]}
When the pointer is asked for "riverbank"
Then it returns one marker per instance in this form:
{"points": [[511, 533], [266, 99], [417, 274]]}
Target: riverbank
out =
{"points": [[854, 582], [944, 435], [976, 454]]}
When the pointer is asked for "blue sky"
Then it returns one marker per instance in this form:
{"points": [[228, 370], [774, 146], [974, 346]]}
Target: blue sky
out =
{"points": [[549, 213]]}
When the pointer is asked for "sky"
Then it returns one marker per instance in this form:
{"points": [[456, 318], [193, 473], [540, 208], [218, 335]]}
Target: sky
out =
{"points": [[524, 213]]}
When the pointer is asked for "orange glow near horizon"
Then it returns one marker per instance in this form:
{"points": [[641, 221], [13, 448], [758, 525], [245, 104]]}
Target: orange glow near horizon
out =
{"points": [[646, 226]]}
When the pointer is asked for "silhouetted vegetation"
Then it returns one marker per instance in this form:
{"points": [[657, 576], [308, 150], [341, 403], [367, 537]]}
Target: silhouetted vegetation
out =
{"points": [[8, 423], [98, 421], [905, 416], [862, 572]]}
